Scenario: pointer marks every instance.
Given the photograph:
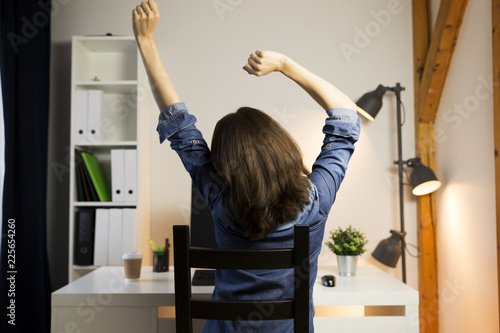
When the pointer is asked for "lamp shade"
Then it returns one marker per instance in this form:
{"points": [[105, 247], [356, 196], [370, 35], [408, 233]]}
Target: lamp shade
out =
{"points": [[370, 103], [389, 250], [422, 179]]}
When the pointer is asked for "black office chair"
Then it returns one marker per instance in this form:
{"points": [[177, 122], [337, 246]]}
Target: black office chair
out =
{"points": [[186, 257]]}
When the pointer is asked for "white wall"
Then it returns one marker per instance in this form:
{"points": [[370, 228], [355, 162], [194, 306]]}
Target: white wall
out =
{"points": [[466, 231], [204, 50], [207, 54]]}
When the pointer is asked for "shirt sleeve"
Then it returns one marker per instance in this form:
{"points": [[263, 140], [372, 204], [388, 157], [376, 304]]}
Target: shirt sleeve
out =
{"points": [[341, 131], [176, 125]]}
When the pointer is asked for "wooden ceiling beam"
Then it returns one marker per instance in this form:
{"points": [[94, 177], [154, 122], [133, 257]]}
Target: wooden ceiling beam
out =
{"points": [[421, 37], [438, 60]]}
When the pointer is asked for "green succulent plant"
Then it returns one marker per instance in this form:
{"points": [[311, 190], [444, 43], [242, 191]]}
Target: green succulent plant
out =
{"points": [[348, 242]]}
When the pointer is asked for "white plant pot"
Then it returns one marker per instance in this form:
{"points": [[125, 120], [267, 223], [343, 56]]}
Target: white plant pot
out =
{"points": [[347, 265]]}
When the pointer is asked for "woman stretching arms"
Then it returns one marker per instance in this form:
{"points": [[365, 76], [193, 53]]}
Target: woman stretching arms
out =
{"points": [[253, 178]]}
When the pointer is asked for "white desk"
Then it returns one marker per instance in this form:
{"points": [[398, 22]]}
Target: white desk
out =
{"points": [[104, 301]]}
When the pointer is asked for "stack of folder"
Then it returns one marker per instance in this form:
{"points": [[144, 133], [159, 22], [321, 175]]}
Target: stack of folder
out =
{"points": [[103, 235], [91, 183], [88, 115], [124, 175], [115, 233]]}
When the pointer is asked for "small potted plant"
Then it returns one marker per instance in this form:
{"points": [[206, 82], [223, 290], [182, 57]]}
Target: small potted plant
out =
{"points": [[348, 244]]}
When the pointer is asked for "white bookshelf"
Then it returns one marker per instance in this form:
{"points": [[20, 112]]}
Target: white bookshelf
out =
{"points": [[110, 64]]}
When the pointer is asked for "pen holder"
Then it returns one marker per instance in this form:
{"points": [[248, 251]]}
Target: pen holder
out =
{"points": [[160, 261]]}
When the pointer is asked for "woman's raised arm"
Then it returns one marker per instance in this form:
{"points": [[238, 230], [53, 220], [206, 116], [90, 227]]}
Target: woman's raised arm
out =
{"points": [[323, 92], [144, 17]]}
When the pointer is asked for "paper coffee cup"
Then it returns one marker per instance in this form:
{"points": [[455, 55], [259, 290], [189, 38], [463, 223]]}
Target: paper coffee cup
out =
{"points": [[132, 262]]}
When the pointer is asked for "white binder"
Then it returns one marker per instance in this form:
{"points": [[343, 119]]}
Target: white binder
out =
{"points": [[82, 97], [128, 238], [131, 175], [115, 237], [94, 115], [118, 175], [101, 237]]}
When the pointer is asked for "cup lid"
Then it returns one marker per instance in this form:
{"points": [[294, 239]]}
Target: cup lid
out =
{"points": [[132, 255]]}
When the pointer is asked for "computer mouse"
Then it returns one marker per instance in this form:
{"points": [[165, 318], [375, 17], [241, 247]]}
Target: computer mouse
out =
{"points": [[328, 280]]}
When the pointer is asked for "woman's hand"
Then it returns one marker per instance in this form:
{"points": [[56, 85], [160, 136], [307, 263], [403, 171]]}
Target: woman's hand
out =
{"points": [[144, 17], [261, 63], [327, 95]]}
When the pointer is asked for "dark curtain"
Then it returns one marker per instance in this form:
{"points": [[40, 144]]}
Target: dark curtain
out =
{"points": [[25, 55]]}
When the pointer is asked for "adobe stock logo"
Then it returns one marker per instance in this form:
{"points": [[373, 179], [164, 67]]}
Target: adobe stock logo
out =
{"points": [[223, 6], [363, 37], [455, 116]]}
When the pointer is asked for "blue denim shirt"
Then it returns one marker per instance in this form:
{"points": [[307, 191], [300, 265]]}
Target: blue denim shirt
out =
{"points": [[341, 131]]}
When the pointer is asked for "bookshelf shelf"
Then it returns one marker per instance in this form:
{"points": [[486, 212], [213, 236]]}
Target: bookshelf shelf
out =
{"points": [[110, 144], [110, 87], [104, 204], [85, 268], [107, 67], [104, 84]]}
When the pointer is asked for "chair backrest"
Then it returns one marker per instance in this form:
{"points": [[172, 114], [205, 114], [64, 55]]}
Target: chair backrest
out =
{"points": [[186, 257]]}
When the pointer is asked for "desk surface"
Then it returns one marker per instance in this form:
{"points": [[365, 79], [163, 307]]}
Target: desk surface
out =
{"points": [[370, 286]]}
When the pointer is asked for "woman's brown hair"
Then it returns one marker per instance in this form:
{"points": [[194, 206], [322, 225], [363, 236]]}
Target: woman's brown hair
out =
{"points": [[262, 166]]}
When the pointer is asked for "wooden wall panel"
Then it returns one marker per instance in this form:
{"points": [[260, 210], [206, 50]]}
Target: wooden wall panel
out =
{"points": [[432, 59], [495, 19], [427, 263]]}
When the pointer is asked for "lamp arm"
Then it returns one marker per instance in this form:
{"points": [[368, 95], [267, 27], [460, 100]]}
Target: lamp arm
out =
{"points": [[413, 162], [396, 89]]}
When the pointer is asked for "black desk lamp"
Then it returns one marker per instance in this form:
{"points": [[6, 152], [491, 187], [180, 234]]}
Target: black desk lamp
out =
{"points": [[423, 180]]}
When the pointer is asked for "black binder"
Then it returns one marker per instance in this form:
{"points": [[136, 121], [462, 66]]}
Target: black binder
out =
{"points": [[84, 237]]}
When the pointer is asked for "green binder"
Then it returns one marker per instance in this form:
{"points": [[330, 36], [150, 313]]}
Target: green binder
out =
{"points": [[99, 181]]}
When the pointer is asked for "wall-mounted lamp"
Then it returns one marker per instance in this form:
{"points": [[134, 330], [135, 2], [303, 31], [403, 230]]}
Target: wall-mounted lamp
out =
{"points": [[389, 250], [422, 179], [370, 103]]}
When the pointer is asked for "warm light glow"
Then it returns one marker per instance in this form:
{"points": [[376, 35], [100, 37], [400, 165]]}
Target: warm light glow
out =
{"points": [[427, 187], [364, 113]]}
